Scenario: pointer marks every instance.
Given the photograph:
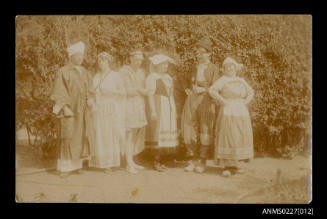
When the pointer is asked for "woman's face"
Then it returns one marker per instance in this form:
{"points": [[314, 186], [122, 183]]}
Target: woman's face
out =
{"points": [[112, 64], [162, 67], [136, 62], [77, 59], [103, 64], [203, 55], [230, 70]]}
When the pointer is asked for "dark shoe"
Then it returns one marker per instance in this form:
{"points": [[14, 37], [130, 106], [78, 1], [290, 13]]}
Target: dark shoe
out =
{"points": [[204, 161], [79, 171]]}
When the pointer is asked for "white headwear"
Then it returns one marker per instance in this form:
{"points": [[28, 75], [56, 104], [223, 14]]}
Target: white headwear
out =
{"points": [[157, 59], [76, 48], [137, 54], [229, 60], [105, 55]]}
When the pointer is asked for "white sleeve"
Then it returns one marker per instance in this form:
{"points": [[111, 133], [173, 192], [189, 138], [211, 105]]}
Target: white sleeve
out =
{"points": [[151, 84], [218, 84], [56, 108], [249, 89], [96, 83], [215, 88], [120, 84]]}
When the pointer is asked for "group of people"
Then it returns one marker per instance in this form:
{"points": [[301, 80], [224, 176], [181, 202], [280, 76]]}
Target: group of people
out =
{"points": [[113, 113]]}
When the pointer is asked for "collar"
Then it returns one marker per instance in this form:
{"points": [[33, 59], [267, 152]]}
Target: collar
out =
{"points": [[78, 68], [204, 64], [132, 70]]}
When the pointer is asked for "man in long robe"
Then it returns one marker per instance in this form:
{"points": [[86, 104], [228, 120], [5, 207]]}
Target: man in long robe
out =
{"points": [[70, 96]]}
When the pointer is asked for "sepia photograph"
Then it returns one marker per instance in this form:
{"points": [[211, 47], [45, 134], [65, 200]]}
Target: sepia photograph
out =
{"points": [[205, 109]]}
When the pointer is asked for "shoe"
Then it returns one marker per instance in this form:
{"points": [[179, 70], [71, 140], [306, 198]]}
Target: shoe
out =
{"points": [[200, 169], [138, 166], [190, 167], [240, 170], [107, 170], [164, 166], [227, 173], [64, 175], [158, 167], [131, 170]]}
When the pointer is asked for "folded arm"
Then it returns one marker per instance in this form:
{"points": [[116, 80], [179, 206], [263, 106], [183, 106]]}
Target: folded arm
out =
{"points": [[214, 92], [151, 88], [216, 96], [199, 90], [250, 92]]}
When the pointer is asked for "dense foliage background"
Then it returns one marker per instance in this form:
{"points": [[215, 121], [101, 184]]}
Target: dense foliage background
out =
{"points": [[275, 50]]}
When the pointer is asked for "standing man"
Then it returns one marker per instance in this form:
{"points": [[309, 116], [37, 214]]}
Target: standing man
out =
{"points": [[70, 96], [200, 109]]}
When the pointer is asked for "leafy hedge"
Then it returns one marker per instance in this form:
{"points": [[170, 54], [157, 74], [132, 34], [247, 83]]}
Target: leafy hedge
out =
{"points": [[275, 50]]}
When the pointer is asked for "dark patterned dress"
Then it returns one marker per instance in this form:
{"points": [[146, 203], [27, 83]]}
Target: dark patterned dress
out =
{"points": [[162, 134]]}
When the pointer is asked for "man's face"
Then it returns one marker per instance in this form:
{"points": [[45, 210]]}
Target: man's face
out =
{"points": [[203, 55], [77, 59]]}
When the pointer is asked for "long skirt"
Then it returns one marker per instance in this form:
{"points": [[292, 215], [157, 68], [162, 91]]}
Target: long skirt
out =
{"points": [[234, 139], [105, 148], [68, 147], [162, 134], [66, 162]]}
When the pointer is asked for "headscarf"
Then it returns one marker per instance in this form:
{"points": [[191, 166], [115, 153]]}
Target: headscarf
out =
{"points": [[204, 43], [160, 58], [105, 55], [229, 60], [137, 54], [76, 48]]}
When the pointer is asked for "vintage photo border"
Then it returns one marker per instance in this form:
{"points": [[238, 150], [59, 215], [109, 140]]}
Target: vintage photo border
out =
{"points": [[241, 209]]}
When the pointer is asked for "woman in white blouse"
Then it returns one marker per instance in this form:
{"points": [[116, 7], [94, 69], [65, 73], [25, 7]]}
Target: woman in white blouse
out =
{"points": [[234, 138], [107, 132]]}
